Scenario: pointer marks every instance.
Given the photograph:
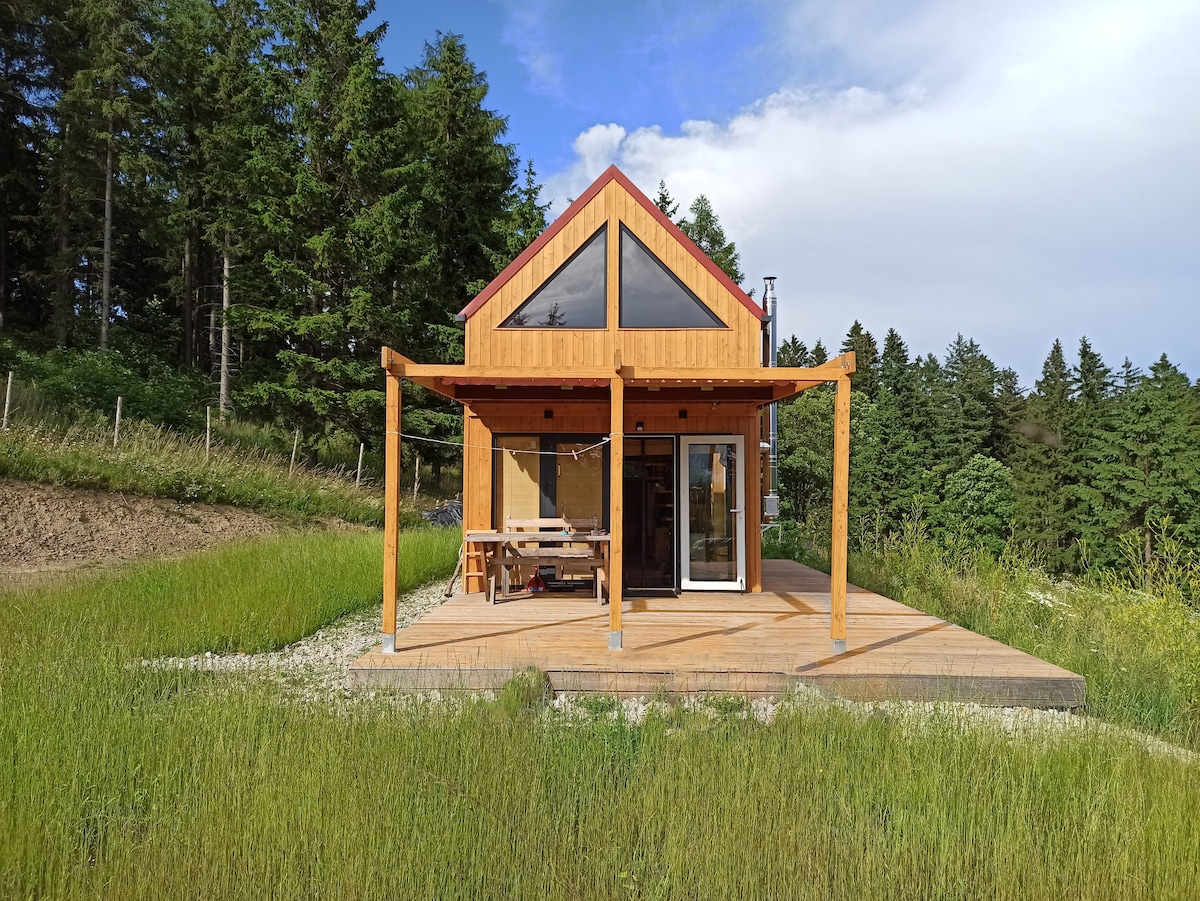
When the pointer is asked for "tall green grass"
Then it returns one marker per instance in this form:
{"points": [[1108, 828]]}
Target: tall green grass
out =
{"points": [[153, 785], [162, 463], [245, 597], [123, 781]]}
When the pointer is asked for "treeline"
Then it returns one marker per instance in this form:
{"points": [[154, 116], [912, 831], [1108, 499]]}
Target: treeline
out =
{"points": [[1094, 467], [238, 188]]}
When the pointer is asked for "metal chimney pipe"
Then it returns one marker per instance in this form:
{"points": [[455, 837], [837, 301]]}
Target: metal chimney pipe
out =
{"points": [[771, 506]]}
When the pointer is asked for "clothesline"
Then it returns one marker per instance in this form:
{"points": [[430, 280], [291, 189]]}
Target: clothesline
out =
{"points": [[512, 450]]}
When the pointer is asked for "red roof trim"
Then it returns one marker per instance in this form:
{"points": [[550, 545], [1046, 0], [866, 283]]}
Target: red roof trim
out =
{"points": [[612, 173]]}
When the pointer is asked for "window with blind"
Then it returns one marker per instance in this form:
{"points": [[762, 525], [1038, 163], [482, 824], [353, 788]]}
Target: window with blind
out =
{"points": [[538, 476], [517, 479]]}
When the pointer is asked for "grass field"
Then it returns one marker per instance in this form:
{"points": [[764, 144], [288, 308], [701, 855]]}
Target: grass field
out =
{"points": [[123, 781]]}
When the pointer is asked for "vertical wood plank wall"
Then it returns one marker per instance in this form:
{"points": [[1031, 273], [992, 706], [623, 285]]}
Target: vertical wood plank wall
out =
{"points": [[477, 491], [740, 344]]}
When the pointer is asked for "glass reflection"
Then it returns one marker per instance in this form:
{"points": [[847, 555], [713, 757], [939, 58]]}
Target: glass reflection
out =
{"points": [[712, 500], [652, 297], [575, 296]]}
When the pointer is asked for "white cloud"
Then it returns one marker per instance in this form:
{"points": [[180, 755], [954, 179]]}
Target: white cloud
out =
{"points": [[1017, 172], [528, 31], [595, 151]]}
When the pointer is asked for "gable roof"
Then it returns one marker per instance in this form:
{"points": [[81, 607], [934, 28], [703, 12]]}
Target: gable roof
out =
{"points": [[612, 173]]}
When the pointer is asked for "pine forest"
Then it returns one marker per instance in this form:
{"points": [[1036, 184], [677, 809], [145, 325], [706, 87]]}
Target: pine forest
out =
{"points": [[232, 203]]}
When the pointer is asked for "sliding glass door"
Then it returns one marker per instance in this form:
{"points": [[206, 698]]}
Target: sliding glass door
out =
{"points": [[713, 527]]}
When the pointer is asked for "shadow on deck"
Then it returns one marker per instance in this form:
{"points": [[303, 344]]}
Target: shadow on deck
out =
{"points": [[755, 645]]}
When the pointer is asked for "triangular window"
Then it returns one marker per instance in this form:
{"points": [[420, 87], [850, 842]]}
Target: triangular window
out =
{"points": [[652, 296], [575, 296]]}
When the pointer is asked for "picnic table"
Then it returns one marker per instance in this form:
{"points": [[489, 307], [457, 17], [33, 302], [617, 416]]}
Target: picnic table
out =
{"points": [[504, 550]]}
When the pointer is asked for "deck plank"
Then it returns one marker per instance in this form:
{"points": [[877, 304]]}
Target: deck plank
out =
{"points": [[756, 644]]}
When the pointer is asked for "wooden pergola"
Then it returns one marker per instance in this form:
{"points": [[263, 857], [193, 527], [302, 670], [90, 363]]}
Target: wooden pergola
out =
{"points": [[619, 387]]}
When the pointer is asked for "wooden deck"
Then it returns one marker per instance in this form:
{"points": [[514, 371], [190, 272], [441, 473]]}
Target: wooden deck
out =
{"points": [[701, 642]]}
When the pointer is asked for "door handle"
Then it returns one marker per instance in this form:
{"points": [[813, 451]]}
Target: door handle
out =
{"points": [[738, 510]]}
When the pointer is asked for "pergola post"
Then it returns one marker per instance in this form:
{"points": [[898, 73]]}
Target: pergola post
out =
{"points": [[616, 485], [841, 498], [391, 509]]}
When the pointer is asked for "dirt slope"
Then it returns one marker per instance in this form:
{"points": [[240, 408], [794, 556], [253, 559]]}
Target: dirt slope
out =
{"points": [[43, 527]]}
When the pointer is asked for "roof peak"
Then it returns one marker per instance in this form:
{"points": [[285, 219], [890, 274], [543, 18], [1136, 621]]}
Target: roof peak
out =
{"points": [[612, 173]]}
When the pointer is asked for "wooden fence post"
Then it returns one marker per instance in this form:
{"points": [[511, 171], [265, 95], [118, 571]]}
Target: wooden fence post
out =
{"points": [[7, 399], [417, 477], [358, 474], [117, 424], [295, 444]]}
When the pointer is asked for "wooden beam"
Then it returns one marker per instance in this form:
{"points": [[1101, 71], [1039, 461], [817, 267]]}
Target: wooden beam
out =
{"points": [[827, 372], [841, 498], [781, 392], [499, 374], [616, 484], [391, 510]]}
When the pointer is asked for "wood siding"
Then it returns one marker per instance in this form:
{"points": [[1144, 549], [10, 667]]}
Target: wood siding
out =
{"points": [[737, 345]]}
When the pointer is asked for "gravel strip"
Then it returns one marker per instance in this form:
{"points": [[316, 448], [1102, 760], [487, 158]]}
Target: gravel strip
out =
{"points": [[315, 667], [947, 716]]}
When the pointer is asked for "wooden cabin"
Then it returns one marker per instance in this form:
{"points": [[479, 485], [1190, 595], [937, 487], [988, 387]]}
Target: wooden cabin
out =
{"points": [[614, 375]]}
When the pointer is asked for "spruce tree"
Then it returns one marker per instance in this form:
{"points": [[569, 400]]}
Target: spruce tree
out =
{"points": [[464, 174], [106, 101], [862, 343], [968, 422], [1010, 413], [523, 220], [1042, 467], [1088, 427], [792, 352], [469, 219], [24, 83], [901, 452], [329, 204], [665, 202], [1146, 469], [704, 228]]}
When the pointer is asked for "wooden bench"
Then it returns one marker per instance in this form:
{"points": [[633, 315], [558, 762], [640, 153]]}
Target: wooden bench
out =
{"points": [[566, 560]]}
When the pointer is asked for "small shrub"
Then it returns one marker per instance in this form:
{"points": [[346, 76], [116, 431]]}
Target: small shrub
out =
{"points": [[528, 690]]}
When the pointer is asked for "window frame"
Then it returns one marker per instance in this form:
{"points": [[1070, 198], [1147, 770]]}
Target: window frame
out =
{"points": [[602, 230], [717, 322]]}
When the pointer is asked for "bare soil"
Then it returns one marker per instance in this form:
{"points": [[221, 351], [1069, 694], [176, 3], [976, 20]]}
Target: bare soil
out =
{"points": [[45, 528]]}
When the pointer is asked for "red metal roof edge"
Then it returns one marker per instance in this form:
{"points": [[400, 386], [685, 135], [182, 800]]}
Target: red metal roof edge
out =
{"points": [[612, 173]]}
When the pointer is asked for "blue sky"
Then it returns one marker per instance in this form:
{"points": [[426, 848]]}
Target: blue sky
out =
{"points": [[557, 68], [1017, 171]]}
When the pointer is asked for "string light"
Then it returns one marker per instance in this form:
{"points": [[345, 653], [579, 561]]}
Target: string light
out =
{"points": [[573, 454]]}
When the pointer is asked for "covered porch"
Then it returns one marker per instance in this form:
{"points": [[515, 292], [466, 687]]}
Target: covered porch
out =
{"points": [[706, 531], [755, 644]]}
